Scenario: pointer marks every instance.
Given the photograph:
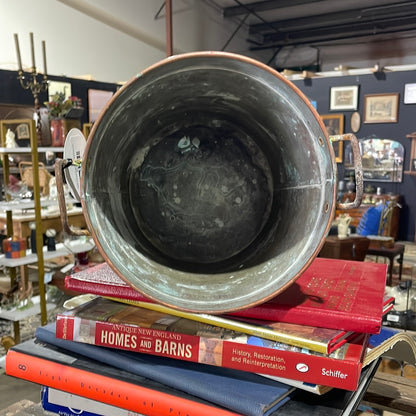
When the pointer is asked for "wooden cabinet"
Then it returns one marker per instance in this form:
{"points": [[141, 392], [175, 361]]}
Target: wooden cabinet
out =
{"points": [[392, 228], [350, 248]]}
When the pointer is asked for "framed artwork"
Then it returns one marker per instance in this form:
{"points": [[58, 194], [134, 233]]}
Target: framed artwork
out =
{"points": [[17, 132], [381, 108], [55, 87], [15, 111], [97, 99], [409, 94], [344, 98], [86, 129], [334, 124]]}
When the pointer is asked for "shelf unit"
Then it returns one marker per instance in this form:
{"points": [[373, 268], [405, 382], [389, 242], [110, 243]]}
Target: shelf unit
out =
{"points": [[28, 150], [33, 150], [26, 205], [16, 315], [31, 258]]}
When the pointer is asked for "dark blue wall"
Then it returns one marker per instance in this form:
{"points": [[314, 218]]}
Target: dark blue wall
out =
{"points": [[12, 93], [318, 89]]}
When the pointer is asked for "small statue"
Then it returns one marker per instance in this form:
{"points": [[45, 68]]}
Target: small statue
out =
{"points": [[53, 190], [10, 139], [344, 221], [50, 239]]}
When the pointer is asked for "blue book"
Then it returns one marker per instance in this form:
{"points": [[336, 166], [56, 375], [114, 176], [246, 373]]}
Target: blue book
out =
{"points": [[68, 404], [243, 392]]}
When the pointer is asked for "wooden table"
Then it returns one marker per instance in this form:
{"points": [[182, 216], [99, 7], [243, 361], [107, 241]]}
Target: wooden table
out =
{"points": [[50, 219], [350, 248], [393, 393], [391, 253]]}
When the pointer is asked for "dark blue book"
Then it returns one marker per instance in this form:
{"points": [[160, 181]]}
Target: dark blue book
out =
{"points": [[66, 404], [243, 392]]}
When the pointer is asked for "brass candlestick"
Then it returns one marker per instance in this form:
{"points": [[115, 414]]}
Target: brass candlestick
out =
{"points": [[33, 81]]}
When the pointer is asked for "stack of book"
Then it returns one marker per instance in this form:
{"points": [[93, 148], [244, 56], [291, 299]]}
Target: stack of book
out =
{"points": [[121, 349]]}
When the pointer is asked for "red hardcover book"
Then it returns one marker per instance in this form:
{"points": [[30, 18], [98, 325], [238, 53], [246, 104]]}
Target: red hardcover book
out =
{"points": [[337, 294], [111, 324], [321, 340], [65, 371]]}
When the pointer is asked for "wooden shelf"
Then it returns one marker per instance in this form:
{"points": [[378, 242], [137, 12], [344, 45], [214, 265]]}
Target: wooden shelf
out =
{"points": [[28, 150], [23, 205], [61, 250], [16, 314]]}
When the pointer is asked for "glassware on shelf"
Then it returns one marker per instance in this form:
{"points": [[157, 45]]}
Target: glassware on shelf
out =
{"points": [[17, 192], [79, 246]]}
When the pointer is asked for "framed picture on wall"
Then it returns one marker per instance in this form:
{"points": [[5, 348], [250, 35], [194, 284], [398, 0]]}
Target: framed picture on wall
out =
{"points": [[409, 94], [58, 87], [97, 99], [86, 129], [344, 98], [334, 124], [381, 108]]}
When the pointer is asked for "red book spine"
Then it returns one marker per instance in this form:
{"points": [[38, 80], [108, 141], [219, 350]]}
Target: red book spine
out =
{"points": [[104, 389], [317, 369], [348, 321], [350, 293], [118, 289]]}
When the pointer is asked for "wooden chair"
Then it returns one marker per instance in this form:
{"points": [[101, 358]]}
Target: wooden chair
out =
{"points": [[389, 251]]}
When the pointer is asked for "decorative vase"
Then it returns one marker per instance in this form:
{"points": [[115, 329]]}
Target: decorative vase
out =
{"points": [[57, 132], [59, 129]]}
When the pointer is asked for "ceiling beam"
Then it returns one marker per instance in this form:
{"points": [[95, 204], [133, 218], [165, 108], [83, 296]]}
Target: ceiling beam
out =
{"points": [[262, 6], [334, 34], [334, 19]]}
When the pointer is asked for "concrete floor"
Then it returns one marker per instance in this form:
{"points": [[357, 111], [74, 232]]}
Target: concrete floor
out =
{"points": [[13, 390]]}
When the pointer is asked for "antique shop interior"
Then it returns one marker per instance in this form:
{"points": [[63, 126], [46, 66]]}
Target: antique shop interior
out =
{"points": [[295, 132]]}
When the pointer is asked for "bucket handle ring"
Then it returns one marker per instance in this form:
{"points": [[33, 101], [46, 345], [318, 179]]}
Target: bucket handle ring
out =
{"points": [[60, 165]]}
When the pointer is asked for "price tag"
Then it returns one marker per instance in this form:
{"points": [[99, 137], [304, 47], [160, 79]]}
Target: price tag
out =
{"points": [[393, 318]]}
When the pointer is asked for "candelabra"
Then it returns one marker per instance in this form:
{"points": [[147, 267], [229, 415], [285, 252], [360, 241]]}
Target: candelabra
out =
{"points": [[34, 81]]}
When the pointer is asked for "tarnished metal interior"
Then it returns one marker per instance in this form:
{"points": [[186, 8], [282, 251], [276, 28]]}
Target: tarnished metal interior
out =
{"points": [[208, 182]]}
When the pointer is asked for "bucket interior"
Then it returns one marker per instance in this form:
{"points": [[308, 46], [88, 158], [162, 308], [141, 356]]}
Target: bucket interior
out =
{"points": [[208, 182]]}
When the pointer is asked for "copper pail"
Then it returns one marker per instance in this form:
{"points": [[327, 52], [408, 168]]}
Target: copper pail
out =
{"points": [[208, 183]]}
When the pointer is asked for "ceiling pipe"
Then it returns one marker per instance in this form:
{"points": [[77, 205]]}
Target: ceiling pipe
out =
{"points": [[169, 42]]}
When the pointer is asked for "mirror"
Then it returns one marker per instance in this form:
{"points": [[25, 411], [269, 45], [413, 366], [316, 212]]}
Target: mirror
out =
{"points": [[382, 159]]}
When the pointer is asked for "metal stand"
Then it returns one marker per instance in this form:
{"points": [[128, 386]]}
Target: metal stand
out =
{"points": [[36, 83]]}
